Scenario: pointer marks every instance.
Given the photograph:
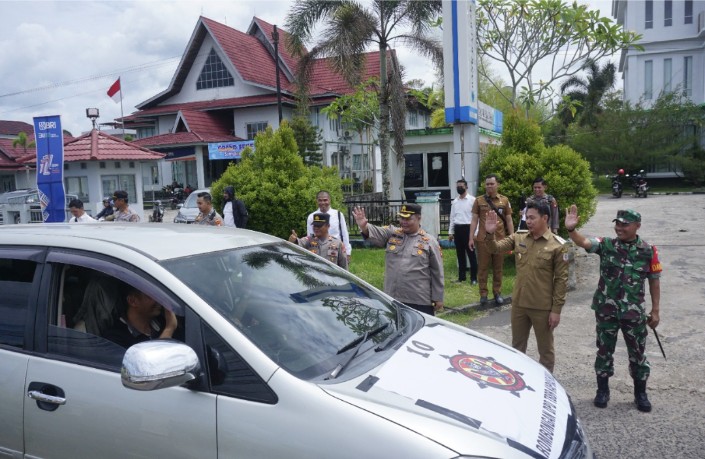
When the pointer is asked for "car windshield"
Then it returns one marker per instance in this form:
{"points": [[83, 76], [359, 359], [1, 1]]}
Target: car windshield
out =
{"points": [[191, 201], [300, 310]]}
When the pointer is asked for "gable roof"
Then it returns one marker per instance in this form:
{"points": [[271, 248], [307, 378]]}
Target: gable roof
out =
{"points": [[193, 127], [251, 55], [13, 128]]}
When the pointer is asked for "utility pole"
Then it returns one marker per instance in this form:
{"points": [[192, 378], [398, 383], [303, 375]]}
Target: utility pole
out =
{"points": [[275, 39]]}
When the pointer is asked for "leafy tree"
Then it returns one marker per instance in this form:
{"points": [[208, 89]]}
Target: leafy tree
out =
{"points": [[278, 190], [588, 92], [22, 140], [523, 34], [350, 28], [639, 136], [522, 157], [308, 139]]}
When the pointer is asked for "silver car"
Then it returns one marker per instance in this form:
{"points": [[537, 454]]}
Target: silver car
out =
{"points": [[189, 210], [276, 353]]}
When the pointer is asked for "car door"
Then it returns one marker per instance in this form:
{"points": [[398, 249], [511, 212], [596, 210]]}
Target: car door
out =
{"points": [[19, 279], [76, 405]]}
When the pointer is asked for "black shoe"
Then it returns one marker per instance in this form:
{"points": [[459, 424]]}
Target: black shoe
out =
{"points": [[473, 282], [499, 299], [603, 392], [483, 300], [640, 398]]}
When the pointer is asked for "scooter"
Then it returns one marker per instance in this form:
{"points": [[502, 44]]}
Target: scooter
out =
{"points": [[158, 213], [616, 187], [177, 197], [641, 187]]}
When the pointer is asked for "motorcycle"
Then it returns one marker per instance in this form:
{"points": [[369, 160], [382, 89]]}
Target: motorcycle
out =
{"points": [[641, 187], [616, 186], [158, 213], [177, 197]]}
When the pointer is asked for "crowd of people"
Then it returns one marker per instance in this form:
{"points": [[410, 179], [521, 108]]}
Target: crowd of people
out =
{"points": [[483, 233]]}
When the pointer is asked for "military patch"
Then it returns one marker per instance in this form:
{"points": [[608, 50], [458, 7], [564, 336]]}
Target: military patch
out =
{"points": [[488, 373]]}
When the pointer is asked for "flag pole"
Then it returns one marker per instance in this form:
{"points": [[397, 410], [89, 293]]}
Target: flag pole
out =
{"points": [[122, 114]]}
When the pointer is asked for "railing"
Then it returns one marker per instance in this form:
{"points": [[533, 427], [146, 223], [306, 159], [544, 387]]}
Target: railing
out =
{"points": [[383, 213]]}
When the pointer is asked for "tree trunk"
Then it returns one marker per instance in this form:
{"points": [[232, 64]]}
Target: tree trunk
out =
{"points": [[384, 121]]}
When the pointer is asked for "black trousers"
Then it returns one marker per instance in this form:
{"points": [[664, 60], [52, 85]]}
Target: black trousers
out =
{"points": [[423, 308], [462, 238]]}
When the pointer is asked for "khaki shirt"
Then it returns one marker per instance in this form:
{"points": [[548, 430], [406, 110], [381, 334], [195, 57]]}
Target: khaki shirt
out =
{"points": [[413, 272], [480, 208], [331, 249], [542, 269]]}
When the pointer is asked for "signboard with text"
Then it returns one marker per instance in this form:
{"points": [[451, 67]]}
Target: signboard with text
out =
{"points": [[228, 150], [460, 61], [49, 139]]}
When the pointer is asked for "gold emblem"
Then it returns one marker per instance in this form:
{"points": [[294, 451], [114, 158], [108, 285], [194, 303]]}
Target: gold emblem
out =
{"points": [[392, 247], [420, 252]]}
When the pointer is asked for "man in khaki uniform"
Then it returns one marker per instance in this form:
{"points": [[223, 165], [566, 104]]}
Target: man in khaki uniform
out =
{"points": [[542, 278], [322, 243], [413, 271], [490, 201]]}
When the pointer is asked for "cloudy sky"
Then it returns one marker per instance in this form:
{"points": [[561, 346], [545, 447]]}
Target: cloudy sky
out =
{"points": [[60, 57]]}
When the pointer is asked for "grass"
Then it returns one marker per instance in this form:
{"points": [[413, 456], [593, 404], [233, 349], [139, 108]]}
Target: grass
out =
{"points": [[368, 264]]}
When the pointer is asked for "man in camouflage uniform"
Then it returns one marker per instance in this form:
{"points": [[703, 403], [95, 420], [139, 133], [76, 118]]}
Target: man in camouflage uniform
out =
{"points": [[322, 243], [413, 271], [207, 214], [539, 186], [494, 201], [541, 282], [625, 262]]}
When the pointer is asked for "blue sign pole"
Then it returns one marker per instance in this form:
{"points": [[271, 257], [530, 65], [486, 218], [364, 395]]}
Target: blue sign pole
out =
{"points": [[49, 138]]}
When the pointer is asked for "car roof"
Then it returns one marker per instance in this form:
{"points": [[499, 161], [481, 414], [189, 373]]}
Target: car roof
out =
{"points": [[159, 241]]}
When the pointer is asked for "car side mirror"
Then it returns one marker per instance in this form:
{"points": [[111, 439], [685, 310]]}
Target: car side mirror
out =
{"points": [[158, 364]]}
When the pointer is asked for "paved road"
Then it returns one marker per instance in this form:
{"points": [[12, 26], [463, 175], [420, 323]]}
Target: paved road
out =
{"points": [[676, 426]]}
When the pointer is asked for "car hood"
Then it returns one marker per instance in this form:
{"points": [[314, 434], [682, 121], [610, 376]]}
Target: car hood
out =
{"points": [[445, 383]]}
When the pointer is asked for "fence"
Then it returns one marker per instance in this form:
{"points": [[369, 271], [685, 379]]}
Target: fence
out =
{"points": [[383, 213]]}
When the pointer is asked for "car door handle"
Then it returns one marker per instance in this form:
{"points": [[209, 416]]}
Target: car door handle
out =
{"points": [[41, 397], [48, 396]]}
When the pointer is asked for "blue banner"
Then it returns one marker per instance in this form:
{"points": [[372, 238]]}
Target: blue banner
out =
{"points": [[228, 150], [49, 138]]}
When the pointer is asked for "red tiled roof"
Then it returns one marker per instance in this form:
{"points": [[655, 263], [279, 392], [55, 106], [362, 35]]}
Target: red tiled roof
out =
{"points": [[98, 146], [326, 80], [183, 138], [16, 152], [15, 127], [291, 62]]}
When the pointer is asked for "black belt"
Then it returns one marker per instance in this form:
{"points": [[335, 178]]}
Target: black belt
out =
{"points": [[462, 224]]}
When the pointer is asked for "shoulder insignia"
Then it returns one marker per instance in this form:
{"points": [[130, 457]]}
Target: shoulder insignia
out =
{"points": [[398, 230], [425, 239]]}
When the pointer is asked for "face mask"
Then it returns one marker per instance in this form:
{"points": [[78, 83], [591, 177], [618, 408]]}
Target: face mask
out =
{"points": [[460, 190]]}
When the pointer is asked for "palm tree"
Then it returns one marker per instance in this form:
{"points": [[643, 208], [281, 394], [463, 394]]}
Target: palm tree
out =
{"points": [[22, 141], [588, 92], [349, 29]]}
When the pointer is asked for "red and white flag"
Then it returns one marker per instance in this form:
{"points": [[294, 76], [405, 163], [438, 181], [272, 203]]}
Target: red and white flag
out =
{"points": [[114, 92]]}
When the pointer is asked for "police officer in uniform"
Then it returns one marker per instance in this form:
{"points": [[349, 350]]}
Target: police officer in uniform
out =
{"points": [[413, 271], [625, 263], [207, 214], [321, 243], [490, 201], [541, 282]]}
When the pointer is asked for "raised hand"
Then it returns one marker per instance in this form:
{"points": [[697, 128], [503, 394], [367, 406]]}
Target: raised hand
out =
{"points": [[491, 222], [293, 237], [360, 218], [572, 218]]}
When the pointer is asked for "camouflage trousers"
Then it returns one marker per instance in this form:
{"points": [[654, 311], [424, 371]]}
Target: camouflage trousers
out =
{"points": [[632, 321]]}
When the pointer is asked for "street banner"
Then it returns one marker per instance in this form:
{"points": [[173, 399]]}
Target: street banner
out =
{"points": [[49, 138], [460, 61], [229, 150]]}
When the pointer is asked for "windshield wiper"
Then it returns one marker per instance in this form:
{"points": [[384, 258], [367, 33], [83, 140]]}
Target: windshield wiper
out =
{"points": [[357, 344]]}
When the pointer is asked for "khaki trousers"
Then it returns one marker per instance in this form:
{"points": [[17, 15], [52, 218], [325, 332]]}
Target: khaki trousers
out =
{"points": [[522, 321], [484, 258]]}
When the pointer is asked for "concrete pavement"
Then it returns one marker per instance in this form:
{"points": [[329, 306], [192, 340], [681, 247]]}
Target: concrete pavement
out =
{"points": [[676, 426]]}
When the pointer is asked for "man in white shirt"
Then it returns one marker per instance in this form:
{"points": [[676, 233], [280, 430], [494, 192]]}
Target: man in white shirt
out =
{"points": [[459, 230], [338, 227], [79, 215]]}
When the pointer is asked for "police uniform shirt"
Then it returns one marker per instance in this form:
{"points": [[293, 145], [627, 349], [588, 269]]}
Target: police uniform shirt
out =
{"points": [[413, 271], [213, 219], [329, 248], [542, 269], [480, 208], [128, 215], [336, 226]]}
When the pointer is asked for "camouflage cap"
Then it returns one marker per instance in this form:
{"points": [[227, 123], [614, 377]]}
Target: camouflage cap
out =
{"points": [[628, 216]]}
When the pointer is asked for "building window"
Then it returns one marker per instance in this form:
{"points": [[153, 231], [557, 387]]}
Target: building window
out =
{"points": [[668, 13], [214, 74], [118, 165], [413, 118], [112, 183], [131, 164], [254, 128], [667, 70], [334, 124], [649, 15], [688, 75], [101, 164], [145, 132], [84, 166], [648, 80], [77, 186], [688, 12]]}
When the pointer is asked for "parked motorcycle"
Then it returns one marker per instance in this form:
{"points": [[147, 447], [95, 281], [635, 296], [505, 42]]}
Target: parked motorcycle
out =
{"points": [[177, 197], [157, 213], [641, 187], [617, 186]]}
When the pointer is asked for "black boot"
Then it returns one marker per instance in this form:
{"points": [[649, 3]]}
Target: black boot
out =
{"points": [[603, 392], [640, 398]]}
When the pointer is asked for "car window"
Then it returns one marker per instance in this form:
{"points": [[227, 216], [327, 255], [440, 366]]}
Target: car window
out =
{"points": [[17, 286], [229, 374], [88, 320], [297, 308], [191, 201]]}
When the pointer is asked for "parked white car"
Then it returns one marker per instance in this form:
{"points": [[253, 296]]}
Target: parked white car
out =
{"points": [[277, 353], [188, 211], [22, 206]]}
